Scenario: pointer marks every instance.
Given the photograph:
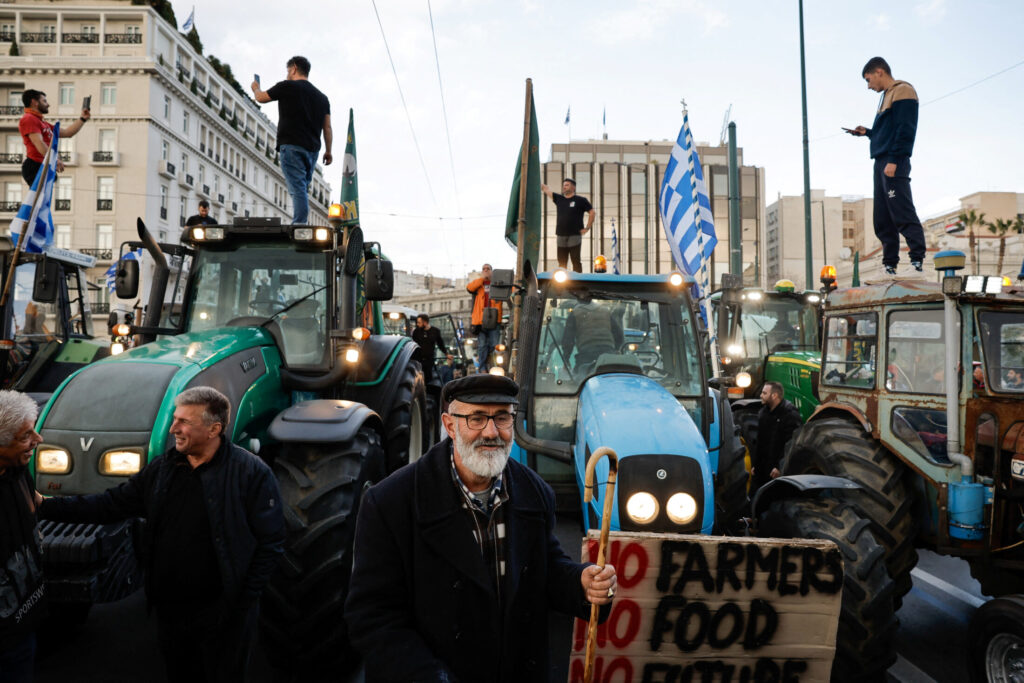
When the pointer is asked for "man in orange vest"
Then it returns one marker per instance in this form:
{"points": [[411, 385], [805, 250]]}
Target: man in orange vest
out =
{"points": [[480, 288]]}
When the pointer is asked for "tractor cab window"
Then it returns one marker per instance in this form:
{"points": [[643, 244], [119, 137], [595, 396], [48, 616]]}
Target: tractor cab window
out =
{"points": [[850, 350], [257, 282], [1002, 338], [772, 323], [34, 321], [395, 323], [446, 327], [585, 333], [916, 352]]}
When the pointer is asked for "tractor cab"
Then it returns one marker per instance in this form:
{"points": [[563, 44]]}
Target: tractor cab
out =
{"points": [[615, 360]]}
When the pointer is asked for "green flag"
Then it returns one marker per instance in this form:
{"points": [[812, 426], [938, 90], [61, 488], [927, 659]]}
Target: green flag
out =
{"points": [[856, 270], [350, 179], [531, 248]]}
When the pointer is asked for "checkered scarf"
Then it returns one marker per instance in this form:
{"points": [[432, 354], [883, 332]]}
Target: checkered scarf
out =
{"points": [[488, 524]]}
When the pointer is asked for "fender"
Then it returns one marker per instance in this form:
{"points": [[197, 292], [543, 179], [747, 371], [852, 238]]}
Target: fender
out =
{"points": [[322, 421], [826, 409], [385, 360], [794, 485]]}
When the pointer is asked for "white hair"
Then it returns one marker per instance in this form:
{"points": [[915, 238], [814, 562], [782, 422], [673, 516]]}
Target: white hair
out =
{"points": [[16, 409]]}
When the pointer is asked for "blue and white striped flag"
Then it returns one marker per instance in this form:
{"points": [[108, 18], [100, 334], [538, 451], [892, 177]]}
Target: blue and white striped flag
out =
{"points": [[690, 232], [112, 270], [187, 26], [615, 250], [567, 111], [34, 216]]}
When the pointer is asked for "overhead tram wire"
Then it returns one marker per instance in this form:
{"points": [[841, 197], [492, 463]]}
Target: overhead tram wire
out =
{"points": [[949, 94], [447, 130]]}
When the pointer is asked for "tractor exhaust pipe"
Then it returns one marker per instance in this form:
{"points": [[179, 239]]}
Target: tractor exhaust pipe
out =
{"points": [[161, 273]]}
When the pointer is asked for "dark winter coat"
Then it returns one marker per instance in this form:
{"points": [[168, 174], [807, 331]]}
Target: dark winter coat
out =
{"points": [[421, 606], [243, 504], [774, 430]]}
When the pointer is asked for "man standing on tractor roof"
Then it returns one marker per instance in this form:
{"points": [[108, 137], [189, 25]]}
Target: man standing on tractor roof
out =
{"points": [[37, 133], [214, 531], [455, 560], [569, 231], [487, 340], [203, 217], [302, 113], [776, 423], [892, 142]]}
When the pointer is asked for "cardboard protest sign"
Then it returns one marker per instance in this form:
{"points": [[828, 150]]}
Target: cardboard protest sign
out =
{"points": [[714, 609]]}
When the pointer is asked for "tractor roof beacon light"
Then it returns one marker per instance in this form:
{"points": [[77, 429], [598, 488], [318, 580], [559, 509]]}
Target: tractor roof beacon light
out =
{"points": [[336, 214], [600, 264], [828, 277], [785, 286]]}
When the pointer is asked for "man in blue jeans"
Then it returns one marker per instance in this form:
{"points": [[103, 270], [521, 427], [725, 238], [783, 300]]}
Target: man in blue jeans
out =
{"points": [[302, 112]]}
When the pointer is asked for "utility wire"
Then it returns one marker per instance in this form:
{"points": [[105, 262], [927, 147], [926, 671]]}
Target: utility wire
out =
{"points": [[447, 130]]}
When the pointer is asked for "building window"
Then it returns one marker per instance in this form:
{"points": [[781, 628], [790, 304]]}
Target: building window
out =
{"points": [[63, 194], [108, 94], [165, 149], [62, 237], [181, 208], [163, 197], [107, 139], [133, 30], [66, 145], [67, 93], [88, 30], [184, 122], [105, 237], [50, 30], [167, 106], [184, 163], [14, 98], [12, 192]]}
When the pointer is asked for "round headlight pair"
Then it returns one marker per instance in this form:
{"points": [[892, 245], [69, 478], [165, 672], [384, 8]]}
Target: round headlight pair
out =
{"points": [[642, 508]]}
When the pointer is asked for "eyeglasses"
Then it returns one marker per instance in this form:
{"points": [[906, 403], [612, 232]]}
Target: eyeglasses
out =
{"points": [[478, 421]]}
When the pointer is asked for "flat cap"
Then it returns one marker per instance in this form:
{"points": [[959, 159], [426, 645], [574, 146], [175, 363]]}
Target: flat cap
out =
{"points": [[481, 388]]}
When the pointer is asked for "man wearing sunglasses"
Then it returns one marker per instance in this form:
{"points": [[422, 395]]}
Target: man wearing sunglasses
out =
{"points": [[456, 563]]}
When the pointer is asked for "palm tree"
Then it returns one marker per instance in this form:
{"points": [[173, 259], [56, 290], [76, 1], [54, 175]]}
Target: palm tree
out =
{"points": [[971, 218], [1000, 227]]}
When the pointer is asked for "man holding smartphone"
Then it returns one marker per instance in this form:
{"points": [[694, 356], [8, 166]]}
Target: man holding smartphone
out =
{"points": [[302, 113], [892, 142], [37, 133]]}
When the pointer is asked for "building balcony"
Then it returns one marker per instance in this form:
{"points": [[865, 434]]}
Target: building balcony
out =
{"points": [[69, 158], [6, 36], [104, 204], [80, 38], [166, 169], [11, 110], [204, 191], [123, 38], [234, 207], [9, 207], [185, 180], [163, 213], [62, 204], [220, 199], [11, 158], [38, 37], [106, 158], [100, 307], [101, 254]]}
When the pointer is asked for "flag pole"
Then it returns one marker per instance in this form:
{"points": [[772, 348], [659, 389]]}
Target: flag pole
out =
{"points": [[24, 236], [524, 160]]}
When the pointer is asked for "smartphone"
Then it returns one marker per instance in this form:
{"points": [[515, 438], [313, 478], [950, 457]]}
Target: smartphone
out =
{"points": [[256, 77], [851, 131], [87, 102]]}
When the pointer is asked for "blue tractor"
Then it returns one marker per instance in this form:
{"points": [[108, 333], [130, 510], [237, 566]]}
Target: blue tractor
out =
{"points": [[616, 361]]}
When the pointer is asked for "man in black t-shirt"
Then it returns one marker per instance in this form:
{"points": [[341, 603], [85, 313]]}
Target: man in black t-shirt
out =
{"points": [[428, 338], [302, 112], [569, 231], [203, 217]]}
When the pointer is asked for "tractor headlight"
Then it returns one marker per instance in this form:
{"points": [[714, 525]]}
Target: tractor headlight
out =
{"points": [[975, 284], [754, 295], [302, 234], [642, 507], [207, 234], [116, 349], [675, 279], [352, 355], [743, 379], [53, 461], [499, 359], [681, 508], [321, 234], [560, 276], [734, 350], [121, 462], [497, 370], [813, 298]]}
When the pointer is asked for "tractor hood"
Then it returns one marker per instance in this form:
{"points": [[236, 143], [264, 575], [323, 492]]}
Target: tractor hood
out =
{"points": [[199, 348], [660, 449]]}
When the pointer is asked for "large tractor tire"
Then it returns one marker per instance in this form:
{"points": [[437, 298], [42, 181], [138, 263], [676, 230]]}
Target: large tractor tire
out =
{"points": [[746, 420], [996, 640], [407, 429], [841, 448], [865, 645], [302, 620]]}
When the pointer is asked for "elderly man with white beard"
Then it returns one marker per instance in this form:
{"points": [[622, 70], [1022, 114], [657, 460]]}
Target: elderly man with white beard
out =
{"points": [[456, 563]]}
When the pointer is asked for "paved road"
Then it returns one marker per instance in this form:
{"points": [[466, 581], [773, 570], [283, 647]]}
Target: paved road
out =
{"points": [[117, 644]]}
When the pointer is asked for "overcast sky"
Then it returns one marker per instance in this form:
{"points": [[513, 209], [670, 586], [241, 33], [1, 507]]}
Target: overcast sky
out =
{"points": [[637, 59]]}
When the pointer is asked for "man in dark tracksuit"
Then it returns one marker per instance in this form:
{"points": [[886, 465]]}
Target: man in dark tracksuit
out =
{"points": [[892, 143], [776, 423], [214, 531]]}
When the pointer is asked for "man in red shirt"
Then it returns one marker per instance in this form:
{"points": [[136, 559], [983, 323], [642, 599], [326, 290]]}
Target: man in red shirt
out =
{"points": [[38, 133]]}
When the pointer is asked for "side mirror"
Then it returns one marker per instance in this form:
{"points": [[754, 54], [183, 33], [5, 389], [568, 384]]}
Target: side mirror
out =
{"points": [[44, 289], [490, 317], [379, 278], [501, 284], [126, 279]]}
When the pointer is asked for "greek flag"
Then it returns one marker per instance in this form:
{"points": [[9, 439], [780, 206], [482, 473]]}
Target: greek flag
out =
{"points": [[615, 250], [685, 207], [567, 116], [187, 26], [112, 270], [34, 215]]}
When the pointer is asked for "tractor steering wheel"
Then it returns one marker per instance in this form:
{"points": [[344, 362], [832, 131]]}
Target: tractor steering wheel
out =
{"points": [[275, 306]]}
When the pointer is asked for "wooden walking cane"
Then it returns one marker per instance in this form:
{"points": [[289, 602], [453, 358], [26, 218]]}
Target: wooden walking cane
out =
{"points": [[606, 519]]}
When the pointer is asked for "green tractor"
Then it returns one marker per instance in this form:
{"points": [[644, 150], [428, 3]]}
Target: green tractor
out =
{"points": [[45, 321], [934, 451], [282, 319]]}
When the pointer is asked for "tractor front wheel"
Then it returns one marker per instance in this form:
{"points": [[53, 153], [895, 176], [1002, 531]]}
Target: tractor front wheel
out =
{"points": [[302, 609], [865, 645], [996, 640], [408, 428]]}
